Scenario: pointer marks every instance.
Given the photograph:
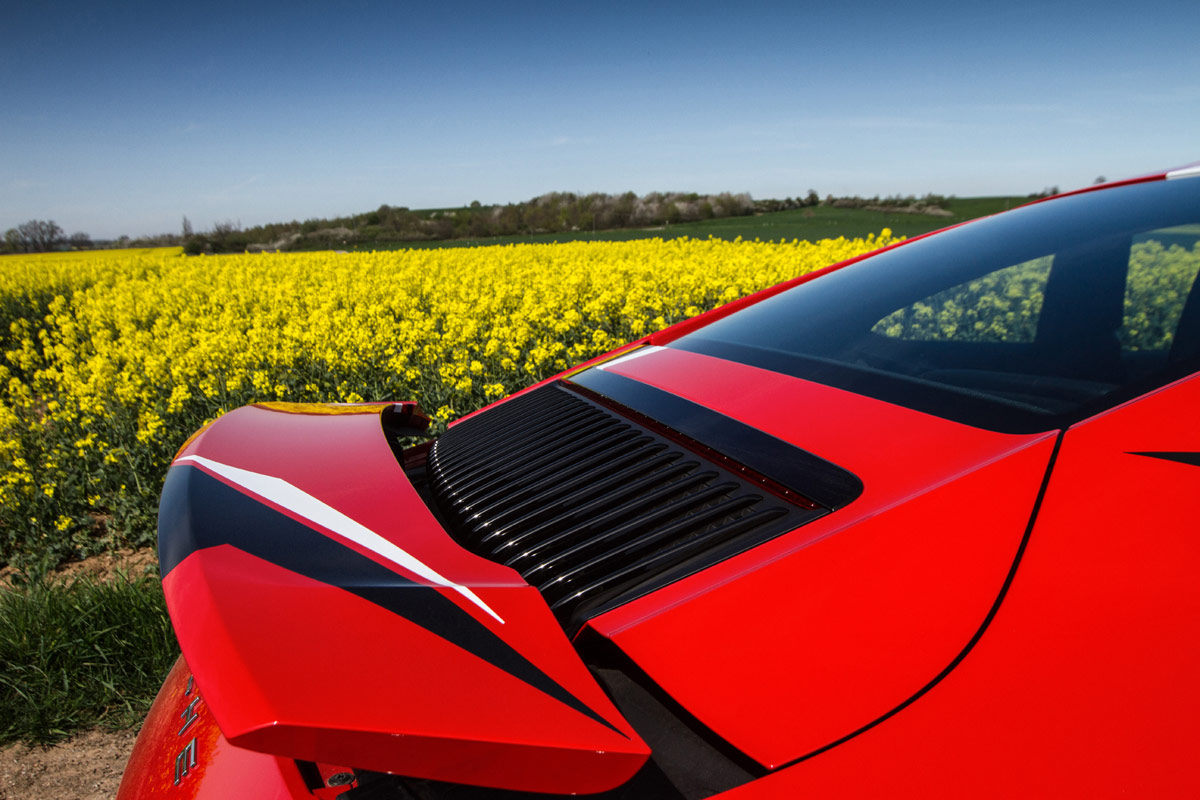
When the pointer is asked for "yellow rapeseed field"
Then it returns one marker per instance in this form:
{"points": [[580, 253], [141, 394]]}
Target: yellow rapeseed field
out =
{"points": [[112, 358]]}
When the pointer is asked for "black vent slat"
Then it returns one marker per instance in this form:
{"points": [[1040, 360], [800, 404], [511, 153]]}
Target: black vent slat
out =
{"points": [[574, 485], [557, 517], [646, 508], [634, 540], [591, 506], [529, 414], [666, 519], [630, 572], [537, 466], [471, 486], [597, 572], [535, 433], [566, 425], [560, 526], [542, 420]]}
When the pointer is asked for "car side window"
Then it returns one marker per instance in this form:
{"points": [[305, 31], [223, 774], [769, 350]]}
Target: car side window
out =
{"points": [[1163, 265], [1001, 306]]}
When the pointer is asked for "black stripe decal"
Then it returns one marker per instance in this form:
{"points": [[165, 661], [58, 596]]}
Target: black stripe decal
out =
{"points": [[198, 511], [1180, 457], [791, 467]]}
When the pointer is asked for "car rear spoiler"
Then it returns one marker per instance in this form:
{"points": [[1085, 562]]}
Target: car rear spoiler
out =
{"points": [[328, 617]]}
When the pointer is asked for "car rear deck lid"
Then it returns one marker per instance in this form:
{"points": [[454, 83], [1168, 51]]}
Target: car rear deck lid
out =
{"points": [[599, 490]]}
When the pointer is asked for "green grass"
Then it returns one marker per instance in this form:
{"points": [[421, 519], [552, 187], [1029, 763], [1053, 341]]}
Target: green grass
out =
{"points": [[79, 655], [819, 222]]}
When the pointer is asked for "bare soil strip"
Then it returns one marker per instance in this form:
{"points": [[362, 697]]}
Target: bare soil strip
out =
{"points": [[102, 568], [87, 767]]}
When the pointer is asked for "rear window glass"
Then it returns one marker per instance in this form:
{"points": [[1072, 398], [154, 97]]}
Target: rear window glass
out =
{"points": [[1024, 321], [1002, 306], [1162, 270]]}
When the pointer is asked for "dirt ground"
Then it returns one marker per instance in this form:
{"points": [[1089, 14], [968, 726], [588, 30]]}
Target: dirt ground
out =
{"points": [[87, 767], [105, 567]]}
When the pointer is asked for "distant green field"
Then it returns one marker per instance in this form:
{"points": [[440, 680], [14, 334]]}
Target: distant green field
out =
{"points": [[819, 222]]}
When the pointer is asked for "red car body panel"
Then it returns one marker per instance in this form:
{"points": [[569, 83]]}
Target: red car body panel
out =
{"points": [[385, 693], [1084, 683], [888, 591], [996, 614], [181, 753]]}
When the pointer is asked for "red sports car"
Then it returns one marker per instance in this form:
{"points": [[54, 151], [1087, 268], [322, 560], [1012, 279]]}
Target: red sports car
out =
{"points": [[920, 525]]}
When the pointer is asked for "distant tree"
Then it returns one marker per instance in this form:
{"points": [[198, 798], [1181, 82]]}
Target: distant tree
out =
{"points": [[12, 241], [671, 213], [1099, 180], [621, 213], [195, 245], [480, 224], [187, 229], [223, 234], [80, 240], [38, 236]]}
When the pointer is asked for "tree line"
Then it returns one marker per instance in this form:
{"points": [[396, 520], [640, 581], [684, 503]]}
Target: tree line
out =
{"points": [[42, 236], [554, 212]]}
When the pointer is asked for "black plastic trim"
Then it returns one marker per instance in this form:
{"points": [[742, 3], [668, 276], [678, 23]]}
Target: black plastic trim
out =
{"points": [[648, 782], [311, 775], [680, 743], [793, 468], [1178, 457]]}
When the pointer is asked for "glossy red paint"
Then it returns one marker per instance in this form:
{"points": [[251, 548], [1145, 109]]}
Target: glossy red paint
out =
{"points": [[345, 461], [387, 694], [968, 626], [1084, 684], [180, 753], [825, 629]]}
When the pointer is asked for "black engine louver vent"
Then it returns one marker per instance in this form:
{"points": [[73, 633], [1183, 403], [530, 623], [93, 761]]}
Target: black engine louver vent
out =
{"points": [[591, 507]]}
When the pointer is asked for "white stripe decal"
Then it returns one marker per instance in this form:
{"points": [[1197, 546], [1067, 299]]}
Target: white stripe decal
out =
{"points": [[1184, 172], [299, 502], [638, 353]]}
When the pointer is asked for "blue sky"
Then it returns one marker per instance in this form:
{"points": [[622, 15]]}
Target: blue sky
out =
{"points": [[124, 118]]}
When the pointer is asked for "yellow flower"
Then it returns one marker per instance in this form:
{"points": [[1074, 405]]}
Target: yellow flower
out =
{"points": [[118, 356]]}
